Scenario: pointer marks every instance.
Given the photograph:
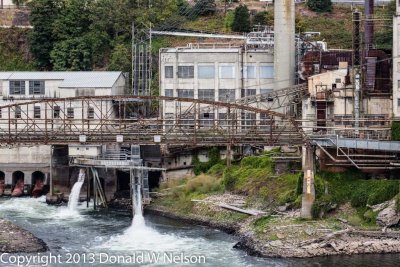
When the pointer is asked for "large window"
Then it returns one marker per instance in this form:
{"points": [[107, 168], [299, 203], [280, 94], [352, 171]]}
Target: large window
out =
{"points": [[17, 87], [250, 72], [206, 72], [207, 94], [36, 112], [250, 92], [185, 72], [169, 72], [36, 87], [226, 95], [186, 93], [266, 72], [227, 72], [169, 92]]}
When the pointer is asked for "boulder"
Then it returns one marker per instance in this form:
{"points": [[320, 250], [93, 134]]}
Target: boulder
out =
{"points": [[388, 216]]}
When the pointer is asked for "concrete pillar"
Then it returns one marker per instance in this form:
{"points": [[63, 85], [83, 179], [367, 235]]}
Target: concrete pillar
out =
{"points": [[8, 178], [308, 197], [284, 43], [28, 177]]}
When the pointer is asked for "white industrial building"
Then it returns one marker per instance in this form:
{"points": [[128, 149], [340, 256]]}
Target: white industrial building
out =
{"points": [[217, 72], [19, 87]]}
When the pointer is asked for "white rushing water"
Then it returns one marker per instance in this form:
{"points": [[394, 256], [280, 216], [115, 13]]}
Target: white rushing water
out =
{"points": [[75, 192]]}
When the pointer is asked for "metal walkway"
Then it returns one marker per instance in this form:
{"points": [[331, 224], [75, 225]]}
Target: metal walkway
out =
{"points": [[378, 145]]}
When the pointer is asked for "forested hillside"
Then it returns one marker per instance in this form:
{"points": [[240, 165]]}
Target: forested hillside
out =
{"points": [[96, 35]]}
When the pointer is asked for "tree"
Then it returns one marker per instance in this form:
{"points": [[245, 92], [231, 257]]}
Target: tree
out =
{"points": [[241, 21], [41, 38], [260, 18], [320, 5], [73, 49]]}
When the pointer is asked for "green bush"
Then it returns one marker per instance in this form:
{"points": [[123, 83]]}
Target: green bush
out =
{"points": [[229, 180], [383, 192], [320, 5], [396, 131], [360, 197], [370, 216]]}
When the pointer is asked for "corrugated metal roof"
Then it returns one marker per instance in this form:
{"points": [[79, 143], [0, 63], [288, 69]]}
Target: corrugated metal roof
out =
{"points": [[70, 79]]}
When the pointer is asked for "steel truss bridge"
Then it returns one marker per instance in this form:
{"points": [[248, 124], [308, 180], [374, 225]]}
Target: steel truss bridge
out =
{"points": [[103, 119]]}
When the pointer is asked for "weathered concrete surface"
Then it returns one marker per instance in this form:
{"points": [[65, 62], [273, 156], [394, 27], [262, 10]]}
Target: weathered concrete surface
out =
{"points": [[14, 239]]}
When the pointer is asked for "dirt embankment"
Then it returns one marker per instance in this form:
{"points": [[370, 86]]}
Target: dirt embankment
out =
{"points": [[14, 239]]}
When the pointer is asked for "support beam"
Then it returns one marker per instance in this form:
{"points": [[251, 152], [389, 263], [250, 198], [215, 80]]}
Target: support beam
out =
{"points": [[308, 197]]}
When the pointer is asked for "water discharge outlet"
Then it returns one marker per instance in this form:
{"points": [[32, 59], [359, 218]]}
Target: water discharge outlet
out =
{"points": [[75, 192]]}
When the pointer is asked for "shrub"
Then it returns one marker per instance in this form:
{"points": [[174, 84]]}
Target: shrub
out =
{"points": [[395, 131], [320, 5], [384, 192], [229, 180], [203, 184]]}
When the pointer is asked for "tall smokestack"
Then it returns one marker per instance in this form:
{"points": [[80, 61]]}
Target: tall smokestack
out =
{"points": [[284, 43], [369, 25]]}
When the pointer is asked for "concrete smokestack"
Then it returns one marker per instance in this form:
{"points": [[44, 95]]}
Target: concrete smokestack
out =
{"points": [[284, 48], [369, 25]]}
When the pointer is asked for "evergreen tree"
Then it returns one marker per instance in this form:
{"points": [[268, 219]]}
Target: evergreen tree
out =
{"points": [[241, 21], [41, 38], [320, 5]]}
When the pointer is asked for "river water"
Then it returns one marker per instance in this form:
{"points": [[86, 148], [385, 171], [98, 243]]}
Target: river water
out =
{"points": [[93, 238]]}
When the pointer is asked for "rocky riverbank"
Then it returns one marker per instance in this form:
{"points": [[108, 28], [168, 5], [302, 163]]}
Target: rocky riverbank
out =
{"points": [[283, 234], [14, 239]]}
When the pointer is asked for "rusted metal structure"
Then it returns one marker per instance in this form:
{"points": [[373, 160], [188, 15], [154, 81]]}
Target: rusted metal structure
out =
{"points": [[106, 120]]}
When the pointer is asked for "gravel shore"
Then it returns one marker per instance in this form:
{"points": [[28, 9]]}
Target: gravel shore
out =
{"points": [[14, 239]]}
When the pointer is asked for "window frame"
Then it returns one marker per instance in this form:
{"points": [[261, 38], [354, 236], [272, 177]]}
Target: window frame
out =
{"points": [[13, 87], [33, 87], [70, 113], [170, 92], [169, 72], [37, 112], [222, 72], [270, 74], [204, 94], [186, 72], [56, 112], [185, 93], [207, 75], [246, 72]]}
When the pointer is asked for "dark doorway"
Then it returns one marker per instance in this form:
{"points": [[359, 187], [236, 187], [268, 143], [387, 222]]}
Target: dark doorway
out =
{"points": [[154, 179]]}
